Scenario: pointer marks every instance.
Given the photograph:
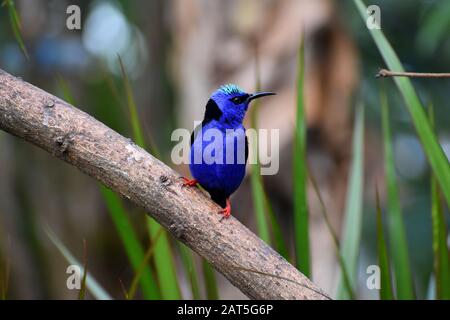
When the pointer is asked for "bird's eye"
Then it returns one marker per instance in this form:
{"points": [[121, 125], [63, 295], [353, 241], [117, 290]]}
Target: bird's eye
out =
{"points": [[239, 99]]}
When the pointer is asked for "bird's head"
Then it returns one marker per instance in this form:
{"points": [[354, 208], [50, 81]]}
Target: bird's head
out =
{"points": [[229, 103]]}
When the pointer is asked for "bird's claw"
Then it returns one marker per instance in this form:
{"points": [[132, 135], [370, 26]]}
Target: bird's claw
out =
{"points": [[226, 211], [188, 182]]}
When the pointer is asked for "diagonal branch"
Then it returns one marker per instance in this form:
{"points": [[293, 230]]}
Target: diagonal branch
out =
{"points": [[79, 139]]}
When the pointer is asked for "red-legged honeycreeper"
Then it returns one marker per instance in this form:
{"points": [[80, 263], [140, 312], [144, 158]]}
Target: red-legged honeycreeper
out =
{"points": [[219, 146]]}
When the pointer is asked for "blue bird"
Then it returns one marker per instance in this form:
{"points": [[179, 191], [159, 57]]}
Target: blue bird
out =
{"points": [[218, 172]]}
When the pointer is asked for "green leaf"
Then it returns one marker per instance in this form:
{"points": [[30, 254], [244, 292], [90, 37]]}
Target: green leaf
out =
{"points": [[133, 247], [134, 115], [92, 285], [434, 28], [16, 25], [436, 157], [345, 275], [258, 194], [383, 259], [142, 267], [65, 90], [189, 265], [82, 292], [210, 281], [300, 176], [353, 209], [164, 263], [276, 232], [440, 250], [396, 227], [5, 272]]}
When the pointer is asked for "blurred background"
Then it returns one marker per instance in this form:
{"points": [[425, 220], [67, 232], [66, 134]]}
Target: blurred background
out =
{"points": [[176, 53]]}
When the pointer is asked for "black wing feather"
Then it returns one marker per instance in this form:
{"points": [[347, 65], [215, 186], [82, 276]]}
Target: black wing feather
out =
{"points": [[212, 112]]}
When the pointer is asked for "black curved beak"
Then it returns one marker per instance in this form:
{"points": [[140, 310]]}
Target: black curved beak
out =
{"points": [[259, 95]]}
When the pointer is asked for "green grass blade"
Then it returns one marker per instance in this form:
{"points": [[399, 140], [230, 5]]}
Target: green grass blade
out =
{"points": [[91, 284], [396, 227], [440, 250], [142, 267], [434, 28], [16, 25], [82, 292], [138, 132], [383, 259], [345, 275], [189, 265], [133, 247], [258, 194], [262, 225], [430, 144], [277, 234], [5, 272], [353, 210], [210, 281], [300, 176], [65, 90], [164, 263], [132, 109]]}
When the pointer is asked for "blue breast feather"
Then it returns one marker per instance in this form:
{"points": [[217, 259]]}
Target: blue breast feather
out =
{"points": [[219, 177]]}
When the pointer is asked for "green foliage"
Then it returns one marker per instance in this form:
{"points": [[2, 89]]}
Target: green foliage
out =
{"points": [[434, 29], [210, 281], [258, 193], [5, 269], [191, 272], [300, 175], [16, 25], [383, 258], [267, 225], [430, 144], [345, 275], [396, 228], [353, 210], [142, 267], [440, 250], [91, 284], [133, 247], [164, 263], [82, 292]]}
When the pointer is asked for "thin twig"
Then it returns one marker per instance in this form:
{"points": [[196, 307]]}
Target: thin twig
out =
{"points": [[383, 73]]}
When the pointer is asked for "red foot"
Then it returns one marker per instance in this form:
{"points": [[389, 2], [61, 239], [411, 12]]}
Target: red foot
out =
{"points": [[189, 183], [227, 211]]}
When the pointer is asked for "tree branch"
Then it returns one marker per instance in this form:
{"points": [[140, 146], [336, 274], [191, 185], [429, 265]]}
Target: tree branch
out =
{"points": [[383, 73], [79, 139]]}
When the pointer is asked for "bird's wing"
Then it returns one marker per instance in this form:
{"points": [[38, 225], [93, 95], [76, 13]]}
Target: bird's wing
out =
{"points": [[195, 132], [212, 112]]}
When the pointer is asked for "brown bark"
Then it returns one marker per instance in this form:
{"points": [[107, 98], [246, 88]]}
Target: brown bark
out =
{"points": [[79, 139]]}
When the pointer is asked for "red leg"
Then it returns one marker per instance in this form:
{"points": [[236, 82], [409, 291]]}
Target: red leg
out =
{"points": [[227, 211], [189, 183]]}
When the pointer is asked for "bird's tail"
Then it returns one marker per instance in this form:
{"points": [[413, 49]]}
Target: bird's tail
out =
{"points": [[219, 198]]}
